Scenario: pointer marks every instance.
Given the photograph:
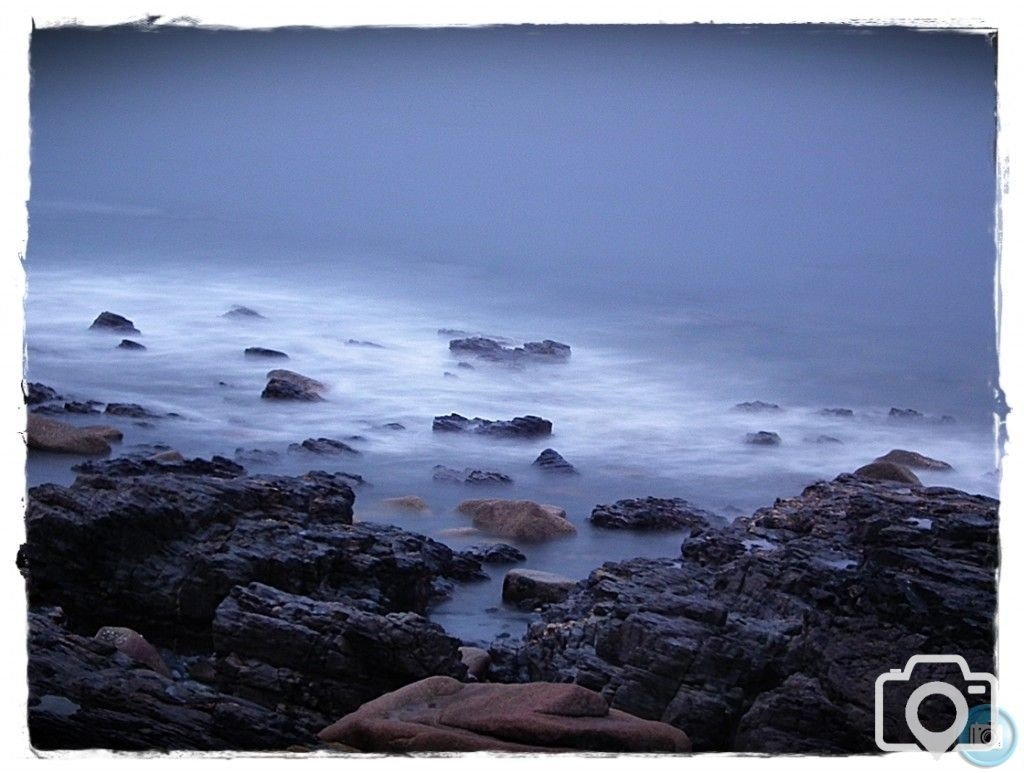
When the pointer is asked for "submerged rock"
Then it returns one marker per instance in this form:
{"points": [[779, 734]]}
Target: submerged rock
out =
{"points": [[44, 434], [368, 344], [87, 407], [823, 440], [888, 471], [130, 345], [767, 635], [527, 588], [763, 438], [410, 502], [517, 519], [259, 353], [654, 514], [469, 476], [494, 350], [905, 413], [257, 456], [440, 714], [131, 410], [114, 323], [323, 445], [242, 312], [519, 427], [757, 406], [841, 413], [914, 460], [286, 389], [495, 553], [550, 460]]}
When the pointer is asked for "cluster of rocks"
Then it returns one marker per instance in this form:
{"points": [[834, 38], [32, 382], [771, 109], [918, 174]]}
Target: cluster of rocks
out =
{"points": [[469, 476], [654, 514], [519, 427], [494, 350]]}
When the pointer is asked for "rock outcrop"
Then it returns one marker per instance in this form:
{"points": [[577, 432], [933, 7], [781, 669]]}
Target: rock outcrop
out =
{"points": [[440, 714], [494, 350], [654, 514], [519, 427], [114, 323], [768, 635]]}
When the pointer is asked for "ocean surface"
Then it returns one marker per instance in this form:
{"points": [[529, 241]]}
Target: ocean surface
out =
{"points": [[706, 217]]}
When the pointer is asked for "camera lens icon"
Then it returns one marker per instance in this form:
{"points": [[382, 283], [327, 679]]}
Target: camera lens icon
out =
{"points": [[998, 733]]}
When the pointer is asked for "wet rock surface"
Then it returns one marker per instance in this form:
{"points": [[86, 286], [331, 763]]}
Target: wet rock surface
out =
{"points": [[288, 389], [519, 427], [528, 588], [654, 514], [495, 553], [37, 394], [888, 471], [786, 617]]}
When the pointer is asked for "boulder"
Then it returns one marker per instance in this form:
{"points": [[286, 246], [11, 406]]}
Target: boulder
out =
{"points": [[242, 312], [305, 383], [135, 646], [469, 476], [260, 353], [517, 519], [529, 587], [410, 502], [45, 434], [440, 714], [130, 345], [36, 393], [763, 438], [323, 445], [519, 427], [889, 471], [114, 323], [914, 460], [495, 553], [283, 389], [757, 406], [476, 661], [654, 514], [550, 460]]}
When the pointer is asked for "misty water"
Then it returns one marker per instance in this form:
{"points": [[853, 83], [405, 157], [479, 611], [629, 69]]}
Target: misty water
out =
{"points": [[706, 219]]}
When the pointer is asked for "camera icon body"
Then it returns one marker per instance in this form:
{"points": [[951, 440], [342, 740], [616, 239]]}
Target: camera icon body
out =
{"points": [[978, 687]]}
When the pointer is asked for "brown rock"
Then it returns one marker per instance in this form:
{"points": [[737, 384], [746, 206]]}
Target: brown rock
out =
{"points": [[407, 503], [45, 434], [887, 471], [476, 661], [441, 714], [517, 518], [914, 460], [135, 646]]}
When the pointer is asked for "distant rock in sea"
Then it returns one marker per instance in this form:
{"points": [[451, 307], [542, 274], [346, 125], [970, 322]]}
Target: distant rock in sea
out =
{"points": [[519, 427], [130, 345], [905, 413], [367, 344], [757, 406], [242, 312], [259, 353], [495, 351], [114, 323], [763, 438], [550, 460], [323, 445], [839, 413]]}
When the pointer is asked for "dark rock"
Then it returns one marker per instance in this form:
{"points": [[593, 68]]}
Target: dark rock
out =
{"points": [[114, 323], [449, 374], [281, 389], [368, 344], [323, 445], [393, 425], [131, 345], [84, 694], [259, 353], [904, 413], [519, 427], [763, 438], [768, 635], [469, 476], [888, 471], [495, 553], [242, 312], [132, 466], [757, 406], [494, 350], [36, 393], [256, 456], [326, 656], [131, 410], [440, 714], [305, 383], [823, 440], [88, 407], [841, 413], [529, 588], [550, 460], [914, 460], [476, 661], [464, 365], [653, 514]]}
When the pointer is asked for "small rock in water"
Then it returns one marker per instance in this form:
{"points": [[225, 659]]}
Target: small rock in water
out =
{"points": [[654, 514], [410, 502], [449, 374], [904, 413], [303, 382], [259, 353], [36, 393], [517, 519], [913, 459], [131, 410], [519, 427], [393, 425], [282, 389], [464, 366], [495, 553], [528, 587], [495, 351], [887, 471], [823, 440], [114, 323], [323, 445], [242, 312], [89, 406], [256, 456], [552, 461], [368, 344], [763, 438], [843, 413], [757, 406], [135, 346], [468, 475]]}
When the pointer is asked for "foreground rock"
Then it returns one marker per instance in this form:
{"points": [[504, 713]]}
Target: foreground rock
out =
{"points": [[469, 476], [114, 323], [767, 636], [654, 514], [527, 588], [914, 460], [550, 460], [494, 350], [519, 427], [517, 518], [440, 714], [888, 471], [45, 434]]}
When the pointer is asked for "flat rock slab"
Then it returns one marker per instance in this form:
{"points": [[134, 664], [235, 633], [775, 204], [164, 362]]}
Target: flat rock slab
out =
{"points": [[45, 434], [440, 714]]}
